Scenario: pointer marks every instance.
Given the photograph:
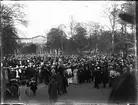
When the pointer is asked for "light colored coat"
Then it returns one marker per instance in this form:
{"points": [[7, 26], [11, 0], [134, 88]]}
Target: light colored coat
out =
{"points": [[23, 93], [75, 77]]}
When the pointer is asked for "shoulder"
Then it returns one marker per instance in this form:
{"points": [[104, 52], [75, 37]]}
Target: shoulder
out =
{"points": [[20, 87]]}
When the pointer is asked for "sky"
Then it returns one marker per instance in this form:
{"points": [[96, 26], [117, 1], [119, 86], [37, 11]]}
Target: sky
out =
{"points": [[44, 15]]}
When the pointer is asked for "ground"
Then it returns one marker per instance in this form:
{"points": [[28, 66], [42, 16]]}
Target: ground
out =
{"points": [[83, 93]]}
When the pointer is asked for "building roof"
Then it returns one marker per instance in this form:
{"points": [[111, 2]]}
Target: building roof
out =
{"points": [[39, 39], [34, 37], [38, 36]]}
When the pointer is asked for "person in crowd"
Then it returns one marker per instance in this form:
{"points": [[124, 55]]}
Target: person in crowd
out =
{"points": [[88, 75], [97, 76], [75, 76], [60, 82], [24, 93], [69, 71], [65, 82], [125, 88], [105, 77], [53, 90], [8, 92], [92, 71], [40, 75], [53, 74], [33, 86], [28, 82], [46, 75], [112, 78], [14, 89], [36, 74]]}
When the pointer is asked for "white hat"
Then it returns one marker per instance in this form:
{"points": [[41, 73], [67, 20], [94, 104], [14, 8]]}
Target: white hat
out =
{"points": [[19, 70], [52, 66], [98, 67], [42, 63], [21, 66]]}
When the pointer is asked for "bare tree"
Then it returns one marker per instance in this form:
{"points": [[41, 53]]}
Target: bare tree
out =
{"points": [[112, 14], [73, 23], [62, 27], [94, 30]]}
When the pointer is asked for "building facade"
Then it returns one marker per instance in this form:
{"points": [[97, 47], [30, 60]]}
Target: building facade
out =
{"points": [[39, 41]]}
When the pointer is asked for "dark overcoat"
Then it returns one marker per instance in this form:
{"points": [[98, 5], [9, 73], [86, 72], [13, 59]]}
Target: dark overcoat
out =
{"points": [[125, 89], [53, 91]]}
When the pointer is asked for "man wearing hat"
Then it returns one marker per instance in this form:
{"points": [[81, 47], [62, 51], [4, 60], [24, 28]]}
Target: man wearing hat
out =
{"points": [[112, 75], [12, 73], [33, 86], [97, 76], [46, 75]]}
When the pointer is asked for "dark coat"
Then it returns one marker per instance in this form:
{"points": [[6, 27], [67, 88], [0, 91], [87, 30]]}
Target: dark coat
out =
{"points": [[60, 78], [105, 77], [33, 85], [65, 80], [124, 90], [97, 75], [46, 75], [53, 90], [13, 74]]}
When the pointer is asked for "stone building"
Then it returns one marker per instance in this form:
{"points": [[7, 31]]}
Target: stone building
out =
{"points": [[39, 41]]}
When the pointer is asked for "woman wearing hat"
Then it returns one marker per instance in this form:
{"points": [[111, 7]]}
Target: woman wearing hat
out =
{"points": [[112, 75]]}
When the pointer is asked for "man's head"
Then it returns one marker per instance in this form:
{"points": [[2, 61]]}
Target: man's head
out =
{"points": [[53, 71], [126, 69]]}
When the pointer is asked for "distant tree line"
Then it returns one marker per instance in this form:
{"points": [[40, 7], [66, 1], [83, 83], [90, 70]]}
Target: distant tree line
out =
{"points": [[93, 37], [100, 41]]}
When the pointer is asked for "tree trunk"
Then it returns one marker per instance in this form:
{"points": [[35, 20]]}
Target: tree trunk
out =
{"points": [[113, 42]]}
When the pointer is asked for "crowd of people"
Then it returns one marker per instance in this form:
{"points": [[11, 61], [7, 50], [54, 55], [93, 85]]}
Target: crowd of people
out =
{"points": [[58, 72]]}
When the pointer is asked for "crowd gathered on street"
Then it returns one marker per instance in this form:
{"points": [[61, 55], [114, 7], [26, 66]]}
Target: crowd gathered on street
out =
{"points": [[23, 74]]}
